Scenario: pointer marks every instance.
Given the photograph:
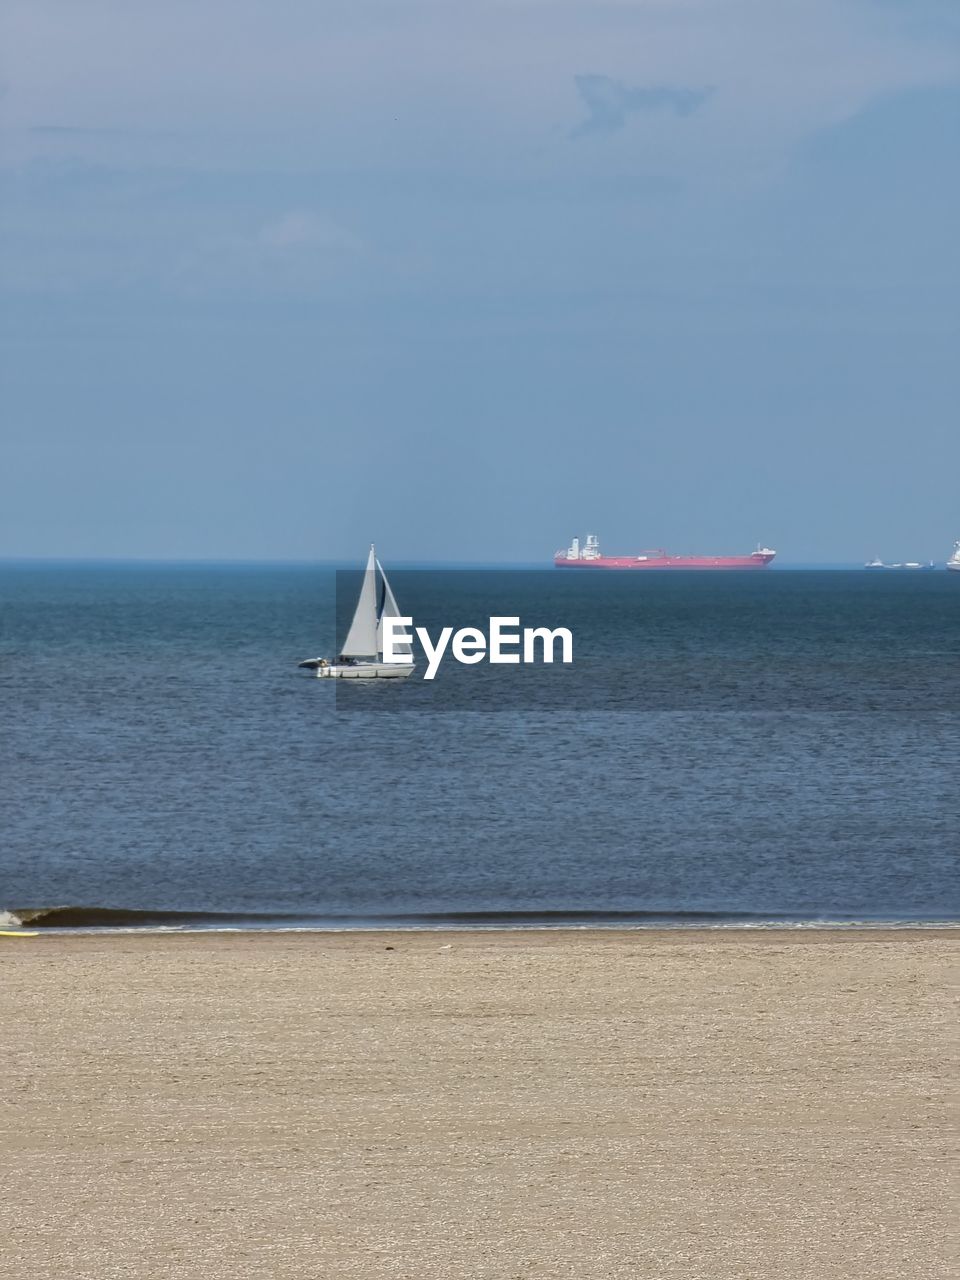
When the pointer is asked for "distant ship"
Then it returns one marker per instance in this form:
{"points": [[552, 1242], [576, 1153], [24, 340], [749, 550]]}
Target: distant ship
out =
{"points": [[954, 561], [588, 556], [877, 563]]}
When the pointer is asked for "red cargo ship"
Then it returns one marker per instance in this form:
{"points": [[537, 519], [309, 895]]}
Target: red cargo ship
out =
{"points": [[588, 557]]}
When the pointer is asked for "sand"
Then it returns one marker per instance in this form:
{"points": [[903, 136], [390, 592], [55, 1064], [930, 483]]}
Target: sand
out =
{"points": [[528, 1104]]}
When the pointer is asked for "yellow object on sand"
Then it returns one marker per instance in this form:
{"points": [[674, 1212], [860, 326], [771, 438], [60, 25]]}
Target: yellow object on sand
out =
{"points": [[19, 933]]}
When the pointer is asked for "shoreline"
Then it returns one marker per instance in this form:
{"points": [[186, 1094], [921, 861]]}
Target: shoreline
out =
{"points": [[72, 919], [830, 931]]}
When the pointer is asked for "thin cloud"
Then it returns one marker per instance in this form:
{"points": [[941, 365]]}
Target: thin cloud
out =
{"points": [[77, 131], [297, 252], [609, 102], [299, 230]]}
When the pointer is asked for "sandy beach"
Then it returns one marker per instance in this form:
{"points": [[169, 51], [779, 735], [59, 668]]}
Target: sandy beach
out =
{"points": [[487, 1104]]}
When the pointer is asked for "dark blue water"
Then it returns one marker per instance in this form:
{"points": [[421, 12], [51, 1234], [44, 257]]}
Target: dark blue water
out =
{"points": [[757, 746]]}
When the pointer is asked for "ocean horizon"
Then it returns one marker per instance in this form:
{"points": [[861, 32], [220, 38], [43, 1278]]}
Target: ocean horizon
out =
{"points": [[352, 563]]}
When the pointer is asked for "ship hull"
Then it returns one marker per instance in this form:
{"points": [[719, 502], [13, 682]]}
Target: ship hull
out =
{"points": [[666, 562]]}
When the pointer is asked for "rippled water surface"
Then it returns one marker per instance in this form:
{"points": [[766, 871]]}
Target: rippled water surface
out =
{"points": [[772, 745]]}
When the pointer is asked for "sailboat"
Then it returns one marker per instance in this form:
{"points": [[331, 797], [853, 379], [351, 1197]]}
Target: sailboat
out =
{"points": [[362, 655], [954, 561]]}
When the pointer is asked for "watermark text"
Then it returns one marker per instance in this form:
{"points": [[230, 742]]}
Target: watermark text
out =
{"points": [[504, 642]]}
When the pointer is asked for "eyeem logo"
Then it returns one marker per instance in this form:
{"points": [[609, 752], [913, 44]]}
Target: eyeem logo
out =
{"points": [[469, 645]]}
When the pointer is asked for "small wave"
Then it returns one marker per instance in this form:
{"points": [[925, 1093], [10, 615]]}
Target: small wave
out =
{"points": [[82, 917], [77, 917], [126, 919]]}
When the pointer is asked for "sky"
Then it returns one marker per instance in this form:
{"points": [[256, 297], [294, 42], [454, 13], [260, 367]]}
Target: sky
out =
{"points": [[470, 277]]}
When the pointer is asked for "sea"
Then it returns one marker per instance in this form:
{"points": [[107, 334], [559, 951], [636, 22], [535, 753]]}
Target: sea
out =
{"points": [[774, 747]]}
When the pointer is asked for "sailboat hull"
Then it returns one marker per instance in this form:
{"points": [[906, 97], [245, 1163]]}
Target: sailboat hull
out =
{"points": [[362, 671]]}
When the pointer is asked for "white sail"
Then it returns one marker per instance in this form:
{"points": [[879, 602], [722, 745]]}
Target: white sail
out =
{"points": [[389, 609], [362, 640], [954, 561]]}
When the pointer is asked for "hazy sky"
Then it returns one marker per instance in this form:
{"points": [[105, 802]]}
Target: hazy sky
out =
{"points": [[469, 277]]}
